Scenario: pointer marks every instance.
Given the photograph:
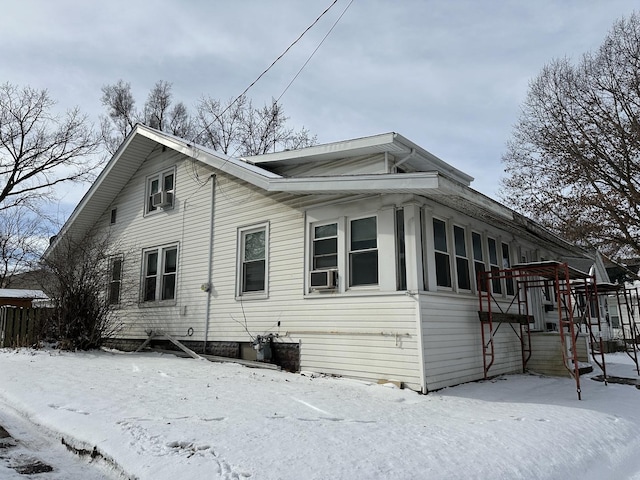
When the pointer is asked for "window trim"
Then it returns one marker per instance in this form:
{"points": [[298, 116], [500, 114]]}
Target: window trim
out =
{"points": [[443, 253], [160, 275], [160, 177], [460, 257], [349, 252], [111, 281], [478, 261], [241, 233]]}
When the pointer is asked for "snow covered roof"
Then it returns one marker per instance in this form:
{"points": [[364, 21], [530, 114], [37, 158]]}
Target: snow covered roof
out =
{"points": [[20, 293]]}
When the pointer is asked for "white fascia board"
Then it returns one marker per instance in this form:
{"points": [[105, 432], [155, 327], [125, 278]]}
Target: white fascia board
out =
{"points": [[244, 171], [324, 149], [451, 187], [358, 183]]}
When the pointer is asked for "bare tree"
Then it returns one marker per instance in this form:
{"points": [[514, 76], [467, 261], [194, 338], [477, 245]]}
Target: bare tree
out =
{"points": [[573, 162], [238, 128], [38, 149], [85, 282], [21, 241], [159, 112], [122, 115]]}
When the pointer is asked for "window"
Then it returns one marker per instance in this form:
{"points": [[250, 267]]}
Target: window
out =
{"points": [[160, 190], [493, 263], [114, 212], [462, 262], [160, 274], [252, 260], [401, 260], [325, 246], [115, 279], [443, 268], [506, 263], [478, 257], [363, 252]]}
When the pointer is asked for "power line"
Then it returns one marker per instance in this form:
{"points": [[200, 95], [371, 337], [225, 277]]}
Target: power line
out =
{"points": [[274, 62], [314, 52]]}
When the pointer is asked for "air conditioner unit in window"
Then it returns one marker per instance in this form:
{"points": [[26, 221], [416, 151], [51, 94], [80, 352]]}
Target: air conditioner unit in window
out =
{"points": [[162, 199], [323, 279]]}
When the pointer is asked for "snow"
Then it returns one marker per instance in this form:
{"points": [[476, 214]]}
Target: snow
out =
{"points": [[156, 416]]}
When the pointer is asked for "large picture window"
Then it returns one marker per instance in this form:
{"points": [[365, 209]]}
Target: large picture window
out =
{"points": [[443, 267], [363, 252], [252, 260], [160, 274]]}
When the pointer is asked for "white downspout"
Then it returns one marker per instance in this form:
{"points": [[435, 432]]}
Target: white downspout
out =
{"points": [[210, 266]]}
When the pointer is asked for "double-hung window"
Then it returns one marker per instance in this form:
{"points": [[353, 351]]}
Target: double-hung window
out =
{"points": [[160, 274], [253, 260], [160, 190], [462, 262], [363, 252], [506, 263], [495, 268], [443, 267], [325, 246], [478, 258], [115, 279]]}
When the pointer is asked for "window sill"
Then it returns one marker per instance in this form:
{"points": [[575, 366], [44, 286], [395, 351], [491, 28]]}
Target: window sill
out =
{"points": [[162, 303], [250, 296]]}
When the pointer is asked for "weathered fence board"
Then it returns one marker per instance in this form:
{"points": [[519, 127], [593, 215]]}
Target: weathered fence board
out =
{"points": [[21, 327]]}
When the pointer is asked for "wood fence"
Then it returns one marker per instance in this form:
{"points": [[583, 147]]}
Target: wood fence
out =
{"points": [[21, 327]]}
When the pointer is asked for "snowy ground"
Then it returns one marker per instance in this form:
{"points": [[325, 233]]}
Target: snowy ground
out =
{"points": [[161, 417]]}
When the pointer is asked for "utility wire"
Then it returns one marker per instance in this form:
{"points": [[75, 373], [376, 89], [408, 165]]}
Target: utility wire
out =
{"points": [[274, 62], [314, 52]]}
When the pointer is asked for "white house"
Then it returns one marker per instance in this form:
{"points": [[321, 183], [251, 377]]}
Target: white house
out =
{"points": [[360, 256]]}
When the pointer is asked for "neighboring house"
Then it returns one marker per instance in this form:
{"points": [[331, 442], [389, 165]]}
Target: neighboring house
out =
{"points": [[21, 298], [360, 256]]}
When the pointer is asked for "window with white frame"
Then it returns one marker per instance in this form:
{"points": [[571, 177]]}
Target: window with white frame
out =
{"points": [[363, 252], [506, 263], [253, 260], [115, 279], [478, 258], [325, 246], [160, 190], [462, 261], [496, 284], [160, 274], [443, 266]]}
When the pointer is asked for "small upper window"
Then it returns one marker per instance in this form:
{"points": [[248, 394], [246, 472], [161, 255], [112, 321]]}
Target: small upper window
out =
{"points": [[160, 191]]}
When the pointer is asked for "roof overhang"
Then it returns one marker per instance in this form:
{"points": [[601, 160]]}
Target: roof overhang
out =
{"points": [[407, 152]]}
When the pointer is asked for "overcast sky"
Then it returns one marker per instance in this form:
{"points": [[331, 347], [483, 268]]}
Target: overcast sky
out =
{"points": [[448, 75]]}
